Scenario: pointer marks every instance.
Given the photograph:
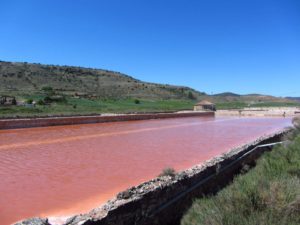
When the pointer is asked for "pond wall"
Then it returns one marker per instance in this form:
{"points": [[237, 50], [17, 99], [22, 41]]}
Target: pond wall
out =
{"points": [[55, 121]]}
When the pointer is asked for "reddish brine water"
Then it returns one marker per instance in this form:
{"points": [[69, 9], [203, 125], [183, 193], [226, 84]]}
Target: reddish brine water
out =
{"points": [[64, 170]]}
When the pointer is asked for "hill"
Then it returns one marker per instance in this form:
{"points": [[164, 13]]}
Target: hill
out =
{"points": [[227, 94], [229, 100], [69, 90], [249, 98], [294, 98], [20, 78]]}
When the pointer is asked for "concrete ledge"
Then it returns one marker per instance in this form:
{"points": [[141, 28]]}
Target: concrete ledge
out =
{"points": [[55, 121], [260, 112], [163, 200]]}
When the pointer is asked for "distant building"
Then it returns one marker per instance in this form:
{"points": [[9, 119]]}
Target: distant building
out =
{"points": [[8, 100], [204, 106]]}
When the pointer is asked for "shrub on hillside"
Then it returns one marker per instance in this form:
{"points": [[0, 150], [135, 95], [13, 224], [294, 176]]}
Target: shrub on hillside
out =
{"points": [[29, 101], [14, 101], [40, 102], [48, 90], [55, 98], [296, 123], [58, 98], [47, 99], [191, 95], [294, 132]]}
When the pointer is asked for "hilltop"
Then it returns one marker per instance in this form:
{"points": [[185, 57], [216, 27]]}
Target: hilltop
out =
{"points": [[294, 98], [250, 98], [229, 100]]}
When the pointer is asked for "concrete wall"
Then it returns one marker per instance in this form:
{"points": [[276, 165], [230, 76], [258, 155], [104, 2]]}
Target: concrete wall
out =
{"points": [[260, 112], [163, 201], [54, 121]]}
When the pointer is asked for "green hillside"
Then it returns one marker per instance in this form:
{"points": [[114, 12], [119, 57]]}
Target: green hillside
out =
{"points": [[25, 78]]}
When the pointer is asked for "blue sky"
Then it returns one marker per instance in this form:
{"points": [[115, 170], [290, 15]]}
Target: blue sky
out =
{"points": [[243, 46]]}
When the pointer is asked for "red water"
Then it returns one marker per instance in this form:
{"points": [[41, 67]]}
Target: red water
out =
{"points": [[63, 170]]}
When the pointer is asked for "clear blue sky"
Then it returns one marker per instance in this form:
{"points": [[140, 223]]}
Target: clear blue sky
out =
{"points": [[243, 46]]}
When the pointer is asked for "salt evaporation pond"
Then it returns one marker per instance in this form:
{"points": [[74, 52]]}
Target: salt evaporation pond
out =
{"points": [[64, 170]]}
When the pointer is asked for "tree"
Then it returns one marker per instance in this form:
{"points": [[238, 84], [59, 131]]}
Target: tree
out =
{"points": [[191, 95], [48, 90], [40, 102], [14, 101], [29, 101]]}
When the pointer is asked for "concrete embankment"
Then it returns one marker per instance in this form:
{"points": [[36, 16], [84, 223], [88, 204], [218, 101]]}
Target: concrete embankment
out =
{"points": [[55, 121], [163, 200], [261, 112]]}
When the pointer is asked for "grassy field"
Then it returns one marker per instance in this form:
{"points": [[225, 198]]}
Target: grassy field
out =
{"points": [[267, 194], [83, 106], [75, 106]]}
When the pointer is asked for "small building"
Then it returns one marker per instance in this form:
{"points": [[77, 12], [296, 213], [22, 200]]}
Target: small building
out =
{"points": [[8, 100], [204, 106]]}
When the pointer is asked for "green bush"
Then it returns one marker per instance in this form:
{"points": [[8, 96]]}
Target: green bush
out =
{"points": [[168, 172], [47, 99], [136, 101], [40, 102], [191, 95], [58, 98], [49, 91], [14, 101], [29, 101], [296, 130], [47, 88]]}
